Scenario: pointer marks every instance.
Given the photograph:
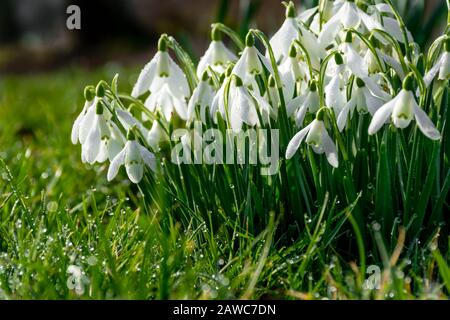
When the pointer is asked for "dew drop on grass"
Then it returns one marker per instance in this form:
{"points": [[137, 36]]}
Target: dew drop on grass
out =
{"points": [[52, 206]]}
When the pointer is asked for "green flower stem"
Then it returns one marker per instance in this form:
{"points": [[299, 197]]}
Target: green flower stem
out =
{"points": [[308, 59], [403, 28], [396, 47], [230, 33]]}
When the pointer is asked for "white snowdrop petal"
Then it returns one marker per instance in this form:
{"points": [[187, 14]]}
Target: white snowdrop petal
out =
{"points": [[145, 77], [86, 124], [444, 70], [148, 157], [295, 142], [74, 136], [381, 116], [283, 38], [294, 104], [135, 172], [93, 142], [425, 124], [330, 149], [393, 28], [343, 115]]}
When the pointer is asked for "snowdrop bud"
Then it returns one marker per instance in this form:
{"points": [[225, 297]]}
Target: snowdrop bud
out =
{"points": [[290, 10], [408, 83], [101, 89], [250, 40], [99, 108], [338, 59], [89, 93]]}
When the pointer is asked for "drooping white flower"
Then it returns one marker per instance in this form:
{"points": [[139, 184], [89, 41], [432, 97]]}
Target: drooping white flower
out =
{"points": [[364, 99], [374, 65], [217, 56], [251, 63], [402, 110], [218, 101], [352, 60], [308, 102], [294, 73], [133, 156], [166, 83], [202, 98], [318, 139], [335, 90], [103, 138], [282, 40], [159, 72], [244, 106], [442, 67], [91, 102], [347, 16]]}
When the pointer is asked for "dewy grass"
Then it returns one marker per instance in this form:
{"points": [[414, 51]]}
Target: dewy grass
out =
{"points": [[356, 208]]}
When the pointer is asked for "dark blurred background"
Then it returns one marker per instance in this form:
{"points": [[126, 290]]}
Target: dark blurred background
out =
{"points": [[34, 36]]}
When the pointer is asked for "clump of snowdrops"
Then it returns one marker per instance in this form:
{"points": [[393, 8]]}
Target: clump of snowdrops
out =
{"points": [[361, 111]]}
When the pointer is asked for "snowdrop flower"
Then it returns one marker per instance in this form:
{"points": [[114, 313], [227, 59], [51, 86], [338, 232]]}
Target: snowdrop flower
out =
{"points": [[293, 72], [282, 40], [374, 65], [364, 100], [91, 102], [402, 110], [244, 106], [166, 82], [202, 98], [348, 16], [155, 136], [217, 56], [442, 67], [335, 90], [160, 71], [104, 139], [134, 156], [250, 63], [308, 102], [352, 60], [317, 138], [218, 102], [291, 30]]}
